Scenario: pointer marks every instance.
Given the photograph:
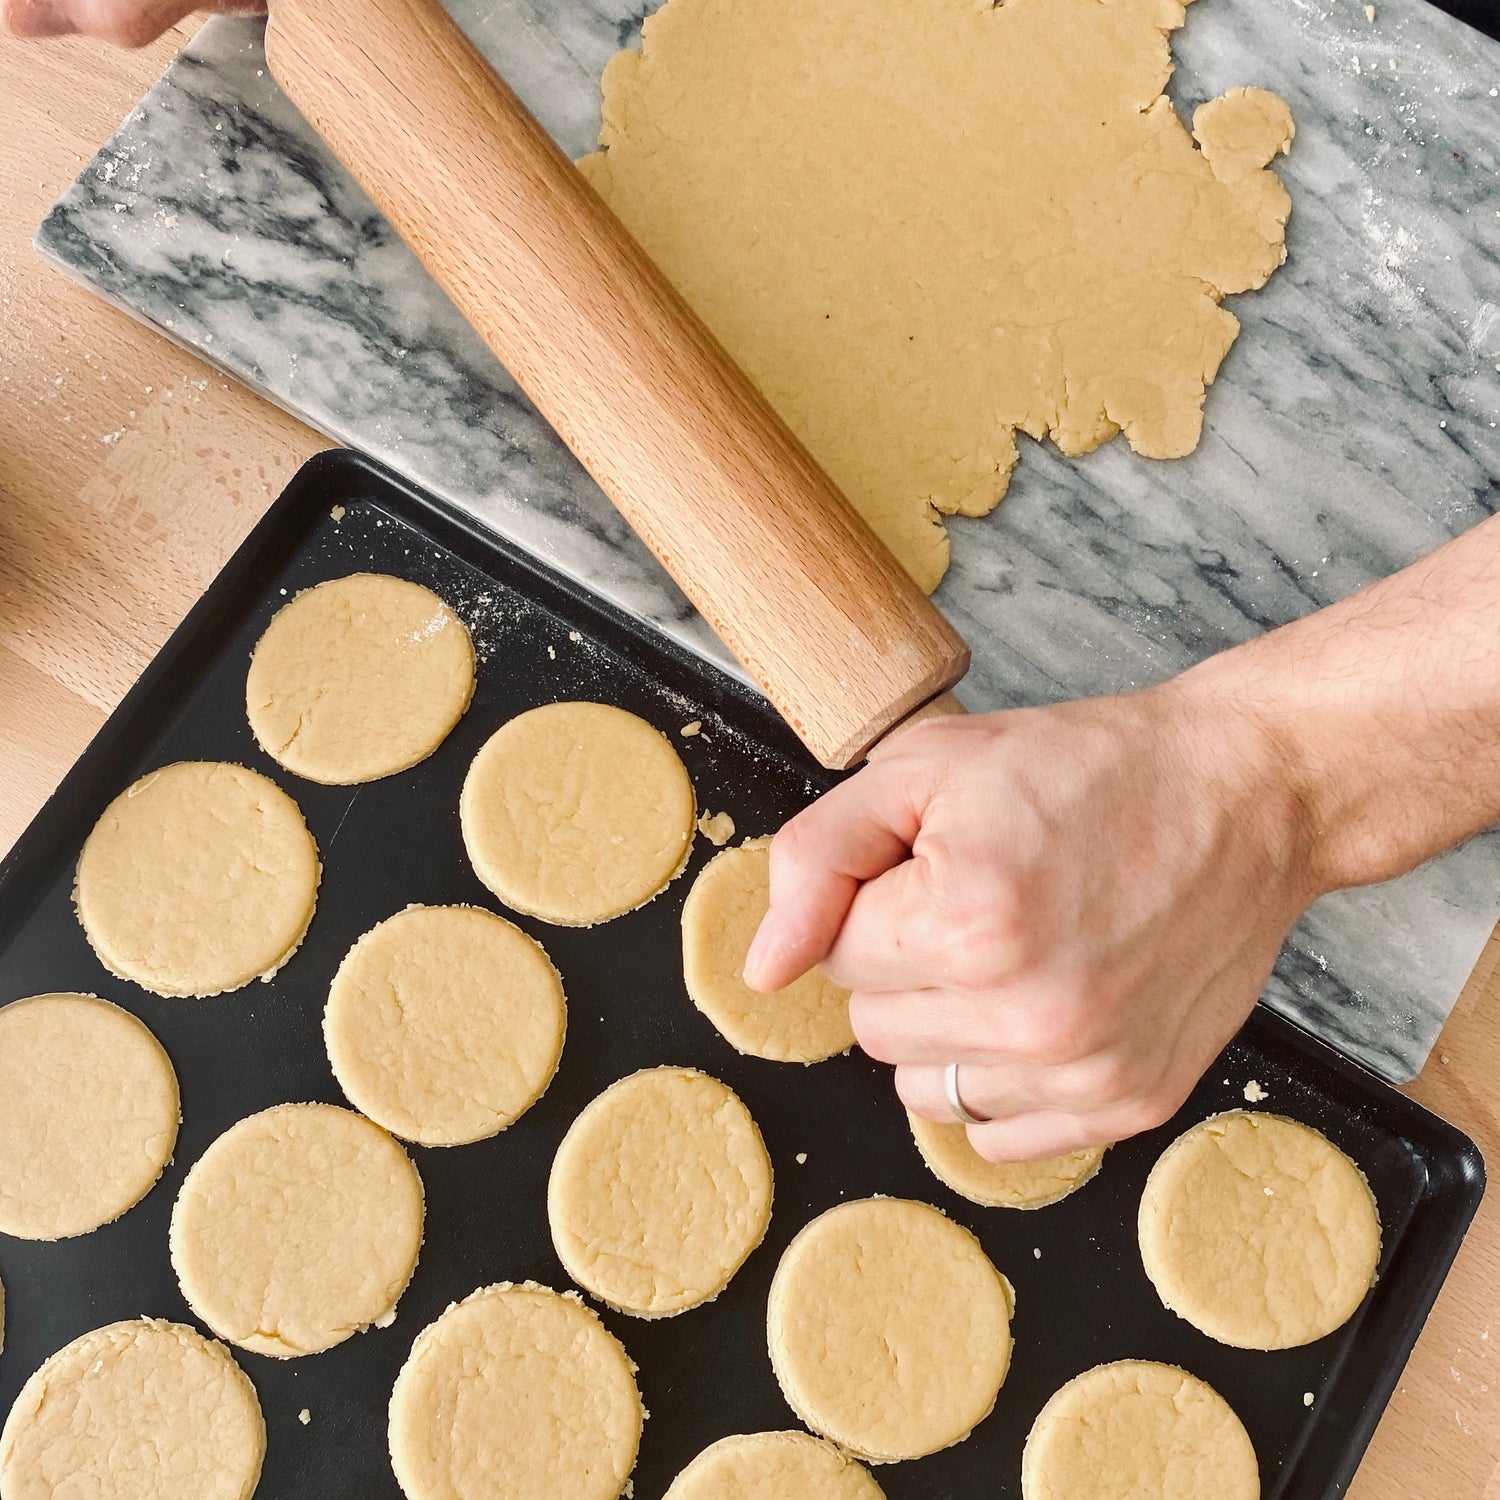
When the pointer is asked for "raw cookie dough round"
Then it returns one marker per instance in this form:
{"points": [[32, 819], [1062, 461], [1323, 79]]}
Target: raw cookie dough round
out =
{"points": [[1259, 1231], [805, 1022], [197, 879], [359, 678], [515, 1393], [577, 812], [660, 1190], [444, 1024], [88, 1114], [296, 1228], [773, 1466], [134, 1409], [1138, 1431], [1022, 1184], [889, 1329]]}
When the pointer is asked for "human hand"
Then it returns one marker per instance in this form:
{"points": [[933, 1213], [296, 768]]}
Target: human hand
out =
{"points": [[1078, 904], [126, 23]]}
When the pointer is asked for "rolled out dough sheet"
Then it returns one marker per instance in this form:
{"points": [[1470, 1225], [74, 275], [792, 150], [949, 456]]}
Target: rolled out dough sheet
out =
{"points": [[920, 236]]}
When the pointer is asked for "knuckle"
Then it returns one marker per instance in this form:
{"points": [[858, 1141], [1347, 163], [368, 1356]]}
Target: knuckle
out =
{"points": [[1148, 1111], [1051, 1034], [986, 937], [1109, 1078]]}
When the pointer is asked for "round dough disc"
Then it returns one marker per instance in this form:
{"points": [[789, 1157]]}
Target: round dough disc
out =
{"points": [[1138, 1431], [1259, 1231], [577, 812], [805, 1022], [359, 678], [298, 1227], [889, 1329], [444, 1024], [88, 1114], [660, 1190], [139, 1408], [515, 1393], [1022, 1184], [197, 879], [774, 1466]]}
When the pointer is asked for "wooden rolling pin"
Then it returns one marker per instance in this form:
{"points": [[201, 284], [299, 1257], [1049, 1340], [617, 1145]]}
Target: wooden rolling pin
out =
{"points": [[756, 534]]}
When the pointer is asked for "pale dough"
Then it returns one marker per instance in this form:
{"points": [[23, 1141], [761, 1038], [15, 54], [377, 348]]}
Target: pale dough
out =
{"points": [[88, 1114], [197, 879], [773, 1466], [921, 234], [444, 1024], [1022, 1184], [577, 812], [805, 1022], [1259, 1231], [889, 1328], [1138, 1431], [515, 1393], [660, 1190], [144, 1408], [298, 1227], [359, 678]]}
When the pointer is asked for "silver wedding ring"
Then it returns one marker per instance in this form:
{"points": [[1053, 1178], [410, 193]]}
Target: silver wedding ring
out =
{"points": [[961, 1111]]}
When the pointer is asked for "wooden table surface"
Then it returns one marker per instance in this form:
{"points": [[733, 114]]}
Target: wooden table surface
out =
{"points": [[129, 470]]}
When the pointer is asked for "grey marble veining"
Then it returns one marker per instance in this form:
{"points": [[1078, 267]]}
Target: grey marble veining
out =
{"points": [[1351, 429]]}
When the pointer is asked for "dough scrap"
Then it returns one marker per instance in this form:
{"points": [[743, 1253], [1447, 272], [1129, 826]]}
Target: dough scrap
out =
{"points": [[88, 1114], [515, 1393], [359, 678], [444, 1024], [659, 1192], [197, 879], [1259, 1231], [1022, 1184], [1134, 1430], [805, 1022], [919, 236], [773, 1466], [139, 1408], [298, 1227], [577, 812], [889, 1329]]}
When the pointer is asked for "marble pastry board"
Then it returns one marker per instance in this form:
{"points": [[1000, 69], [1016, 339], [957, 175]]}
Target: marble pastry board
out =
{"points": [[834, 1131], [1352, 427]]}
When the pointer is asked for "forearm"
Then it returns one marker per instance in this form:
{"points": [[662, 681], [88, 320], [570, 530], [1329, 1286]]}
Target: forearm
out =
{"points": [[1381, 714]]}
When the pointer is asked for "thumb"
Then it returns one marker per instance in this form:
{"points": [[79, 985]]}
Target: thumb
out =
{"points": [[862, 828]]}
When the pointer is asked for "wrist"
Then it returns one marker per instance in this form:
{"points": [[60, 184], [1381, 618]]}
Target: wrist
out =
{"points": [[1267, 766]]}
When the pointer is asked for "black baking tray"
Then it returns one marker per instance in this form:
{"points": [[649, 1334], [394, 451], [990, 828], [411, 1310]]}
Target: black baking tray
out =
{"points": [[1082, 1296]]}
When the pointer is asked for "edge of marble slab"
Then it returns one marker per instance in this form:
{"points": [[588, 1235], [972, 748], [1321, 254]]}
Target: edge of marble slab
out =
{"points": [[594, 548]]}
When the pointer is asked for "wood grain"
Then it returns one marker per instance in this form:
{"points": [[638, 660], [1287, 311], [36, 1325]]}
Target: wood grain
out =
{"points": [[199, 459], [758, 537]]}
